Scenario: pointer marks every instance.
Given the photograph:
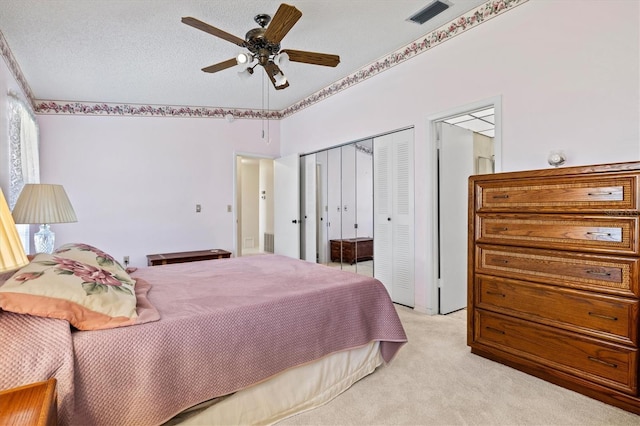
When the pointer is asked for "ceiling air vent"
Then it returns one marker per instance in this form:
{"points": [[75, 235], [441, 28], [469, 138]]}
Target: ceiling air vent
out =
{"points": [[428, 12]]}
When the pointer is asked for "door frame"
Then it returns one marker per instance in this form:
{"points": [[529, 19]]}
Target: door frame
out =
{"points": [[237, 207], [431, 304]]}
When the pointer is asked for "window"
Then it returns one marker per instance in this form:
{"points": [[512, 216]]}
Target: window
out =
{"points": [[24, 157]]}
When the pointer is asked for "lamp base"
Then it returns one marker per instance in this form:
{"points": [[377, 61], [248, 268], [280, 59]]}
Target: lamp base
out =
{"points": [[44, 239]]}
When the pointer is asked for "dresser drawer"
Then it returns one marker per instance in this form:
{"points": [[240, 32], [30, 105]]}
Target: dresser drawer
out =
{"points": [[559, 194], [608, 364], [598, 315], [609, 274], [605, 234]]}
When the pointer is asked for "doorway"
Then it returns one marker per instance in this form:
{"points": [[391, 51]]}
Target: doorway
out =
{"points": [[466, 141], [254, 205]]}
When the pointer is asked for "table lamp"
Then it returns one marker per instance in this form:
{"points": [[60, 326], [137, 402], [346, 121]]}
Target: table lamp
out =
{"points": [[12, 255], [43, 204]]}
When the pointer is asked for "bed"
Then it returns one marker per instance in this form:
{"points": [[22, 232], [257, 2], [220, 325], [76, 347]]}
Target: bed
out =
{"points": [[248, 340]]}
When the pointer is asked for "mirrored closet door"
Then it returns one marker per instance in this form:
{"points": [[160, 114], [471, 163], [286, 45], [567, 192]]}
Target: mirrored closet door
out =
{"points": [[338, 207]]}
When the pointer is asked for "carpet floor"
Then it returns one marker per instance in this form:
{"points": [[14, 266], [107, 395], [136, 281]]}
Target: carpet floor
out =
{"points": [[436, 380]]}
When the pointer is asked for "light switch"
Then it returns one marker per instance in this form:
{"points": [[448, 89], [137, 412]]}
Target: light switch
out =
{"points": [[229, 208], [198, 208]]}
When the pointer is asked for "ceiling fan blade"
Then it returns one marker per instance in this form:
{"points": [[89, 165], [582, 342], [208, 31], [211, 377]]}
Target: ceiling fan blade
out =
{"points": [[195, 23], [284, 19], [315, 58], [272, 70], [221, 66]]}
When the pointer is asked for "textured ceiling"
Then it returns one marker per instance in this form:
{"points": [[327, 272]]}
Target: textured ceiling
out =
{"points": [[138, 51]]}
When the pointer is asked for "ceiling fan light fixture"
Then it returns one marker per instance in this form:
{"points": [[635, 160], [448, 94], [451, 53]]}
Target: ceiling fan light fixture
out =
{"points": [[243, 58], [280, 79], [263, 45], [283, 59]]}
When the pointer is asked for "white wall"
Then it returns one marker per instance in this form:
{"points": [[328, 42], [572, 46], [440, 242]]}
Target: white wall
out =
{"points": [[134, 181], [568, 76]]}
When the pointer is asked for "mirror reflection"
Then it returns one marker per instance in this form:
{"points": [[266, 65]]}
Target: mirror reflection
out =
{"points": [[338, 207]]}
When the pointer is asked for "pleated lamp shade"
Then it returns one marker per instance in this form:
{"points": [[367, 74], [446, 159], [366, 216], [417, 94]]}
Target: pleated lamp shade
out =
{"points": [[12, 255], [43, 203]]}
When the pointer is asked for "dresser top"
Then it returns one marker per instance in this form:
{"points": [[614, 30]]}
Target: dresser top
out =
{"points": [[562, 171]]}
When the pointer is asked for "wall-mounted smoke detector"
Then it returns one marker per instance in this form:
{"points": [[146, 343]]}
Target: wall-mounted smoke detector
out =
{"points": [[429, 11]]}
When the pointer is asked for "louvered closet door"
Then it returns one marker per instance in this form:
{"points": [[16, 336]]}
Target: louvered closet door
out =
{"points": [[382, 206], [394, 219]]}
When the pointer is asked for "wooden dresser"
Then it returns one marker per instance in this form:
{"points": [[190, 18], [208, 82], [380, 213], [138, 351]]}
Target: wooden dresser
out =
{"points": [[553, 268], [352, 250], [30, 405], [186, 256]]}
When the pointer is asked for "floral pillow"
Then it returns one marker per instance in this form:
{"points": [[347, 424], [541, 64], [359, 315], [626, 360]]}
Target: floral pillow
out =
{"points": [[93, 256], [88, 296]]}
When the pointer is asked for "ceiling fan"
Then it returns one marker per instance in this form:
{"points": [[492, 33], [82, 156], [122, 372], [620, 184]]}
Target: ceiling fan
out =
{"points": [[264, 46]]}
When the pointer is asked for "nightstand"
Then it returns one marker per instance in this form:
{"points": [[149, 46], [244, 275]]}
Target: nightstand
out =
{"points": [[186, 256], [33, 404]]}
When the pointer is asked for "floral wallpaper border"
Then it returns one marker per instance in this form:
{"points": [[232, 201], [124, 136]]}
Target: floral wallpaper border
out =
{"points": [[471, 19], [13, 66], [456, 27]]}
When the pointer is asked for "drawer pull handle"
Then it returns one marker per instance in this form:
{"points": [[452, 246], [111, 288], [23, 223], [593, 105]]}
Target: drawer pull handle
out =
{"points": [[495, 330], [606, 234], [593, 314], [496, 293], [608, 364], [595, 194], [500, 228], [501, 196], [599, 273]]}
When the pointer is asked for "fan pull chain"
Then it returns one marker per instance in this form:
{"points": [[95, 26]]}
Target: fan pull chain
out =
{"points": [[265, 113], [268, 124]]}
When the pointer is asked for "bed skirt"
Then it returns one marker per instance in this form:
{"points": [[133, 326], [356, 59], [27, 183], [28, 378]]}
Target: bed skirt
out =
{"points": [[291, 392]]}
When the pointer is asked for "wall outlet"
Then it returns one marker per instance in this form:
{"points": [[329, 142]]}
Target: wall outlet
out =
{"points": [[126, 260]]}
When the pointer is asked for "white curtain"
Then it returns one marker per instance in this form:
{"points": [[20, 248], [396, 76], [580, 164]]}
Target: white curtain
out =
{"points": [[25, 159]]}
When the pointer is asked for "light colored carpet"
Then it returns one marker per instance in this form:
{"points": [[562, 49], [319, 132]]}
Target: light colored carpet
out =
{"points": [[435, 380]]}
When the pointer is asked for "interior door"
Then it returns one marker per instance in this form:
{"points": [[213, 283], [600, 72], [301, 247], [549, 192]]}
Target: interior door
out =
{"points": [[348, 201], [286, 223], [334, 199], [382, 206], [364, 204], [393, 242], [322, 208], [309, 219], [403, 219], [456, 164]]}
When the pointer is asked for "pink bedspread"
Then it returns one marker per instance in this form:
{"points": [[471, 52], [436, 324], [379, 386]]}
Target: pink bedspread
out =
{"points": [[225, 325]]}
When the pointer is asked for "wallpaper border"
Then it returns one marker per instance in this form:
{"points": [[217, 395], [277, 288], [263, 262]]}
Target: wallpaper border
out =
{"points": [[471, 19], [15, 70]]}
